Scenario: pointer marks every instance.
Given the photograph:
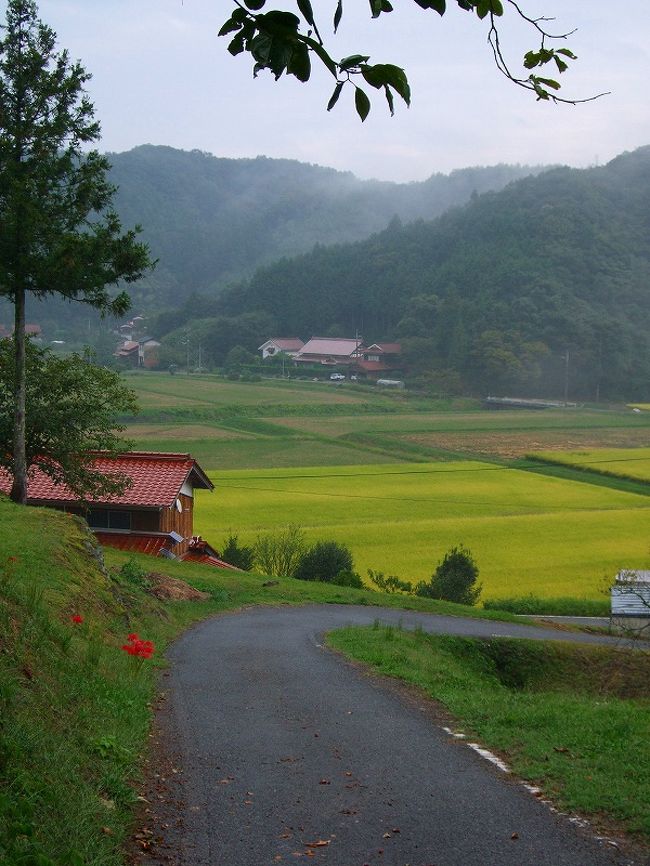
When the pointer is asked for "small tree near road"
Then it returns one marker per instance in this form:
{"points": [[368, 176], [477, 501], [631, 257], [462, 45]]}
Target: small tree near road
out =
{"points": [[454, 579], [58, 232], [324, 561], [278, 553]]}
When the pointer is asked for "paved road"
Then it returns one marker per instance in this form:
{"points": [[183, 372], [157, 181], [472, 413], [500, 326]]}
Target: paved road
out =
{"points": [[274, 744]]}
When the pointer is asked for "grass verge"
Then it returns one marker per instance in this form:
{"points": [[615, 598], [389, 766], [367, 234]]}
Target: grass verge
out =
{"points": [[533, 605], [571, 719]]}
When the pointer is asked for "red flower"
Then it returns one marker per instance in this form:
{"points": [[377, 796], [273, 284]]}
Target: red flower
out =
{"points": [[77, 618], [136, 647], [12, 559]]}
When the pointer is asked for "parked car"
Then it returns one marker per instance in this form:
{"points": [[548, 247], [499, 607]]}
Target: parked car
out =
{"points": [[336, 377]]}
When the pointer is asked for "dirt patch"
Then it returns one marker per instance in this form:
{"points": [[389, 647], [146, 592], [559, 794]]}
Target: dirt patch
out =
{"points": [[164, 587], [511, 445]]}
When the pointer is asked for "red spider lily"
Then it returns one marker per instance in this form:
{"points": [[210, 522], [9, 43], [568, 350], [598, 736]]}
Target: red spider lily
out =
{"points": [[143, 649], [77, 617]]}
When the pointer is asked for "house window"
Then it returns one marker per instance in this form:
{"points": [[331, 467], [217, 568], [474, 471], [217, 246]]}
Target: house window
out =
{"points": [[102, 518]]}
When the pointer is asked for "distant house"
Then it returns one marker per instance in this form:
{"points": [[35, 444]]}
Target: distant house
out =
{"points": [[155, 513], [329, 351], [379, 359], [33, 331], [287, 345], [630, 597], [139, 353]]}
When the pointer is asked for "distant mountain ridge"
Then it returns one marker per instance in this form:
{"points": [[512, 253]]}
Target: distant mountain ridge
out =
{"points": [[211, 220]]}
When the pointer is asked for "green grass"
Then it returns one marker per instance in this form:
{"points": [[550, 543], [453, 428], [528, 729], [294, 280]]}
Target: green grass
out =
{"points": [[532, 605], [528, 532], [572, 720]]}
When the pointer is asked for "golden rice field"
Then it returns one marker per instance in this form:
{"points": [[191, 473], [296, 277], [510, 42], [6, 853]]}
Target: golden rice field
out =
{"points": [[528, 532], [622, 462]]}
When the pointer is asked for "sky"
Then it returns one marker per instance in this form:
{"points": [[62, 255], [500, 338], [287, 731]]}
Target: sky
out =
{"points": [[161, 75]]}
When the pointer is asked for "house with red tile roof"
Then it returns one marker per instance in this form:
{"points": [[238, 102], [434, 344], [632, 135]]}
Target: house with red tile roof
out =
{"points": [[287, 345], [153, 515], [378, 359]]}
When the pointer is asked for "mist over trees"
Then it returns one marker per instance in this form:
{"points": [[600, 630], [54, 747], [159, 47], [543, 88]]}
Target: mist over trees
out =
{"points": [[496, 293]]}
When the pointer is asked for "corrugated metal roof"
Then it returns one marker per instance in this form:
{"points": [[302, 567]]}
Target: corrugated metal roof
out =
{"points": [[325, 346], [631, 600], [156, 480], [138, 542]]}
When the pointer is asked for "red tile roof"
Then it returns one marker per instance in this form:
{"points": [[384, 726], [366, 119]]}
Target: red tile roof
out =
{"points": [[156, 479]]}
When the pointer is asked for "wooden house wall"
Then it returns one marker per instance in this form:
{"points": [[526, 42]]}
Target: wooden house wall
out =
{"points": [[171, 520]]}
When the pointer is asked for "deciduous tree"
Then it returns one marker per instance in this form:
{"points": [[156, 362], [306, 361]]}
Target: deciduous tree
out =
{"points": [[58, 231], [74, 409]]}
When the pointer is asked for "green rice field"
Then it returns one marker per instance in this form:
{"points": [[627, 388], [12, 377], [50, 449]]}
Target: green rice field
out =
{"points": [[631, 463], [529, 533]]}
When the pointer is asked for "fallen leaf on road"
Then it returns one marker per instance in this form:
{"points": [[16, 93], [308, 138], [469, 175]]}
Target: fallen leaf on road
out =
{"points": [[324, 782], [320, 844], [514, 836]]}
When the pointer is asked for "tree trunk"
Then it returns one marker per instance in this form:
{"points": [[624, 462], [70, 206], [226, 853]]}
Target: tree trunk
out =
{"points": [[19, 487]]}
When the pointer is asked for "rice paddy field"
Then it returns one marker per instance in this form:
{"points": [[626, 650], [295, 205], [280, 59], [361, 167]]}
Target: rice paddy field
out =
{"points": [[401, 478], [528, 533], [633, 463]]}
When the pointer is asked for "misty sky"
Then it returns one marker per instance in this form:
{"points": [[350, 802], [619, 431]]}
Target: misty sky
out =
{"points": [[162, 76]]}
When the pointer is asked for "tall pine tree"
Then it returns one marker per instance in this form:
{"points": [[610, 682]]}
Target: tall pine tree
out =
{"points": [[58, 231]]}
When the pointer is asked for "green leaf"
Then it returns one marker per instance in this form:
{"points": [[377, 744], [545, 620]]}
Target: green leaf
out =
{"points": [[229, 27], [439, 6], [300, 64], [321, 53], [567, 53], [237, 45], [338, 14], [389, 100], [548, 82], [361, 103], [279, 24], [334, 98], [306, 11], [386, 74], [352, 61], [561, 65]]}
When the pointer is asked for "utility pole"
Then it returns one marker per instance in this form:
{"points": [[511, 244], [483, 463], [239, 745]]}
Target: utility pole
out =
{"points": [[566, 377]]}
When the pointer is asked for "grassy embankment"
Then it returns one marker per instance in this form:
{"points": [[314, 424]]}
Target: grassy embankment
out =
{"points": [[571, 720], [74, 707]]}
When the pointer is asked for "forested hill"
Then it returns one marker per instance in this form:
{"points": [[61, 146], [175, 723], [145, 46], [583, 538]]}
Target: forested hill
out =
{"points": [[495, 293], [210, 220]]}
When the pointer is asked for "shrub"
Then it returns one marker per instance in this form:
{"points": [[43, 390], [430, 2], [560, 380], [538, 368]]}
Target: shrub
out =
{"points": [[238, 555], [454, 579], [348, 578], [132, 572], [390, 584], [278, 554], [324, 561]]}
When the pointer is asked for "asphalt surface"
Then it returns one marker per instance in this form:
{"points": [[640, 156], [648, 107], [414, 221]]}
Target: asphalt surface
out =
{"points": [[273, 750]]}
